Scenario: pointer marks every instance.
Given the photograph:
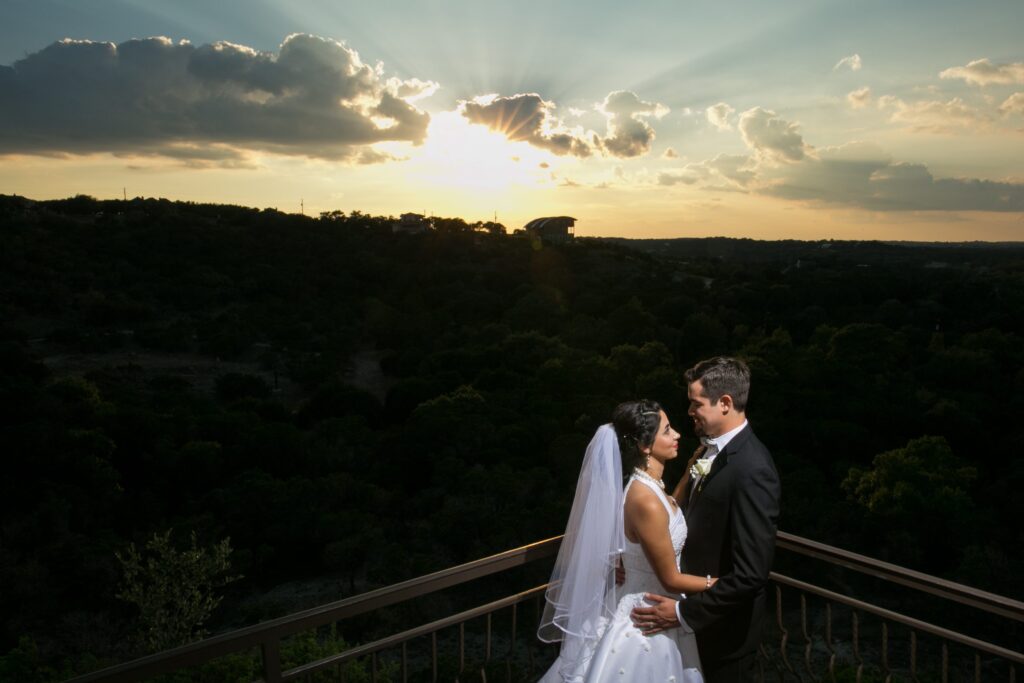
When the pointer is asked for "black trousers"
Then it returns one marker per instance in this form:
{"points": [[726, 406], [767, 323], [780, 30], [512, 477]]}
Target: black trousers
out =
{"points": [[743, 670]]}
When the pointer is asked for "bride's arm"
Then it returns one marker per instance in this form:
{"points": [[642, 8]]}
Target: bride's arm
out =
{"points": [[647, 522]]}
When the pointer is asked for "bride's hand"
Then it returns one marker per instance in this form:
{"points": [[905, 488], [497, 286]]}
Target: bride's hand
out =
{"points": [[696, 455]]}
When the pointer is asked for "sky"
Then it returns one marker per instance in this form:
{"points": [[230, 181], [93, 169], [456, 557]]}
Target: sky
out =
{"points": [[791, 119]]}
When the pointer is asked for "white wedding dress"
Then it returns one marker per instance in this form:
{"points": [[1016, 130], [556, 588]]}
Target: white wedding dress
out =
{"points": [[622, 653]]}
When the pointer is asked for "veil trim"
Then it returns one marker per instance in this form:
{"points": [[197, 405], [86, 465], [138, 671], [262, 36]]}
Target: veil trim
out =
{"points": [[581, 595]]}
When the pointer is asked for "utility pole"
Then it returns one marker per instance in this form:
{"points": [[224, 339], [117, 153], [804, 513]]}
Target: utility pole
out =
{"points": [[302, 206], [124, 191]]}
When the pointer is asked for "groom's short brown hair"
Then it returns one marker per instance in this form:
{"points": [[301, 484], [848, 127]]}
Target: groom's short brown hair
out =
{"points": [[722, 375]]}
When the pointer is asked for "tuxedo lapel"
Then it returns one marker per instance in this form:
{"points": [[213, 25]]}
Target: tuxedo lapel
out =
{"points": [[721, 460], [696, 489]]}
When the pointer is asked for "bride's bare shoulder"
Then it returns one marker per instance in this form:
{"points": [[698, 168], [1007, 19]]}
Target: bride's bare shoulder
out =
{"points": [[641, 501]]}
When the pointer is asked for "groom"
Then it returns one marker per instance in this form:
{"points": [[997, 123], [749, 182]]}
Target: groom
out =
{"points": [[732, 514]]}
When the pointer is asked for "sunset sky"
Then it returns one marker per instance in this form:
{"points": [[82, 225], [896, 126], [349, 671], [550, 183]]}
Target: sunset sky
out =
{"points": [[806, 119]]}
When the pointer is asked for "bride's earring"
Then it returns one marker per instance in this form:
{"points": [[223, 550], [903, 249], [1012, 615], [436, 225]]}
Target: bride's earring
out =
{"points": [[647, 461]]}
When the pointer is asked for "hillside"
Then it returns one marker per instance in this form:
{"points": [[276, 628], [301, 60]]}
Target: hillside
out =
{"points": [[342, 401]]}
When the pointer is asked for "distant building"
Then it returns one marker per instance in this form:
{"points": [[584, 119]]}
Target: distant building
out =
{"points": [[553, 229], [412, 224]]}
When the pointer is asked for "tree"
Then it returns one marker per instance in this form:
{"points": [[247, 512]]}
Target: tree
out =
{"points": [[923, 477], [917, 501], [174, 589]]}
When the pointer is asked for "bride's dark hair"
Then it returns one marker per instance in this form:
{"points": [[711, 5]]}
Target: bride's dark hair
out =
{"points": [[636, 424]]}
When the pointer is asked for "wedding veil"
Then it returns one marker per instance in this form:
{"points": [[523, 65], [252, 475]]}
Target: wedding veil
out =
{"points": [[581, 594]]}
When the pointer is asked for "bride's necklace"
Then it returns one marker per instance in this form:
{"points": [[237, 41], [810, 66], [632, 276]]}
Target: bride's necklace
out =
{"points": [[640, 474]]}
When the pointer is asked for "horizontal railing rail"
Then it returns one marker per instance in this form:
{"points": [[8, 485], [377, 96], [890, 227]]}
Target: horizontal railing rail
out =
{"points": [[889, 615], [267, 636], [949, 590], [413, 633]]}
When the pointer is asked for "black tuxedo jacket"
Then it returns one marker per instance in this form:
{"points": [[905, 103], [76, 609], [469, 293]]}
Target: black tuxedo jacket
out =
{"points": [[732, 517]]}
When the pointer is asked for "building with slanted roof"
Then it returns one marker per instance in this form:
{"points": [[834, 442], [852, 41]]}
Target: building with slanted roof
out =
{"points": [[553, 229], [412, 224]]}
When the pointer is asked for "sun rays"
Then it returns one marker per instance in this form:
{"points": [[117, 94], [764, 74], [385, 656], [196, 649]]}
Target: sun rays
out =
{"points": [[460, 154]]}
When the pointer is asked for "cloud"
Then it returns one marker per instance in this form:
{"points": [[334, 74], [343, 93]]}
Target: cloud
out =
{"points": [[933, 116], [314, 98], [718, 115], [859, 98], [856, 174], [669, 153], [1014, 104], [411, 90], [192, 155], [983, 72], [629, 135], [861, 175], [736, 170], [771, 137], [529, 118], [684, 177], [853, 63]]}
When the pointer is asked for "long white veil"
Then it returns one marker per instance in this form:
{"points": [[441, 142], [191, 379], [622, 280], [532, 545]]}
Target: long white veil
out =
{"points": [[581, 594]]}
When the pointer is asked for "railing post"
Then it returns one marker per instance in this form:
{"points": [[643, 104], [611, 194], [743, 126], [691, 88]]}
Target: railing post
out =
{"points": [[913, 656], [856, 647], [885, 652], [271, 654], [784, 640], [807, 638], [433, 656], [462, 649], [828, 643]]}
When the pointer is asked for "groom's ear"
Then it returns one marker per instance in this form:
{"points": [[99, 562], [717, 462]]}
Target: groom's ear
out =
{"points": [[726, 404]]}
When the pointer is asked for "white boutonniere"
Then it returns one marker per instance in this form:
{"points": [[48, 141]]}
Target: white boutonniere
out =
{"points": [[701, 468]]}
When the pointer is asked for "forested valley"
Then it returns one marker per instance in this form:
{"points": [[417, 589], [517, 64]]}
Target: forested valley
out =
{"points": [[335, 400]]}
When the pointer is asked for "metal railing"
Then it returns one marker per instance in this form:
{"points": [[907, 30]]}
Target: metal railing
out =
{"points": [[825, 652], [820, 651]]}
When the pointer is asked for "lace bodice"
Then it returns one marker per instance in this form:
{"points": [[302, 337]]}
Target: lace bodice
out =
{"points": [[640, 578]]}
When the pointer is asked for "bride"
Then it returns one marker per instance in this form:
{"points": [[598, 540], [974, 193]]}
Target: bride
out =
{"points": [[641, 526]]}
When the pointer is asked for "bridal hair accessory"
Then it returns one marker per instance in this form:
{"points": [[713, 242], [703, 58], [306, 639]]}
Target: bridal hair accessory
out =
{"points": [[640, 474], [645, 408], [582, 596]]}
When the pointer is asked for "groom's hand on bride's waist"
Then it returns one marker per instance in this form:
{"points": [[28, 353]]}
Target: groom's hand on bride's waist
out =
{"points": [[655, 619]]}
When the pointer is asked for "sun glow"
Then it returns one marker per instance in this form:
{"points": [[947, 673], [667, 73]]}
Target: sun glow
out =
{"points": [[460, 154]]}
